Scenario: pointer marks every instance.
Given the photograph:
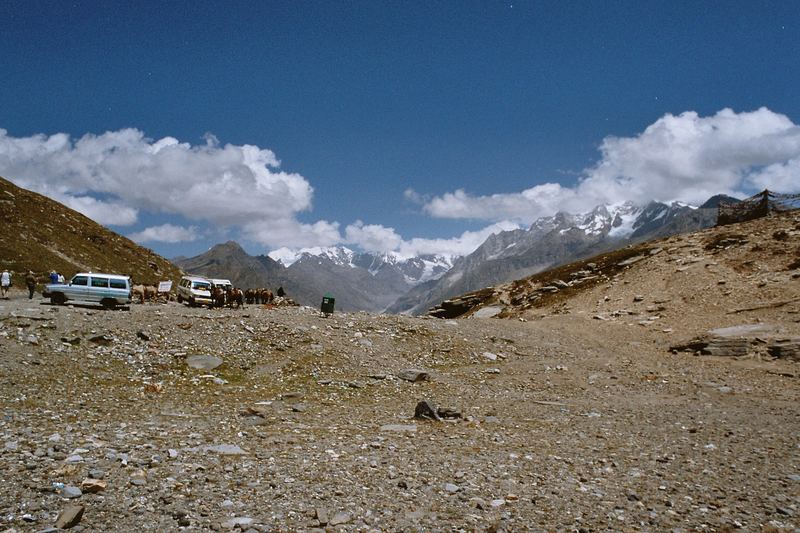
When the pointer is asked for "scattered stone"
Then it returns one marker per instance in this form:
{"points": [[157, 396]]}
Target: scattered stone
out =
{"points": [[70, 516], [631, 260], [237, 522], [487, 312], [426, 410], [452, 488], [339, 519], [91, 485], [413, 375], [399, 428], [102, 340], [71, 492], [139, 478], [203, 362], [226, 449], [322, 516], [142, 335]]}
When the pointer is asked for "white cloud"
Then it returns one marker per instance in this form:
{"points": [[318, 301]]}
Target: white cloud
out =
{"points": [[167, 233], [104, 212], [372, 237], [464, 244], [677, 158], [226, 185], [292, 234]]}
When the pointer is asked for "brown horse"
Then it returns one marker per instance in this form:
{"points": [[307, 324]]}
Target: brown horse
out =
{"points": [[235, 296]]}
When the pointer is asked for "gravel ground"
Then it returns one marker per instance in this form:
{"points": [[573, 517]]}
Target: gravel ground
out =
{"points": [[567, 423]]}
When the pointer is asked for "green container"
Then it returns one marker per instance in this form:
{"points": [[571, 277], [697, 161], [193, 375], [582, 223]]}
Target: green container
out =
{"points": [[327, 304]]}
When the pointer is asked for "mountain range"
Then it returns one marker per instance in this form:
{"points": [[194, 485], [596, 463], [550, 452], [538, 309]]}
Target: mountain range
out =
{"points": [[358, 281], [390, 283]]}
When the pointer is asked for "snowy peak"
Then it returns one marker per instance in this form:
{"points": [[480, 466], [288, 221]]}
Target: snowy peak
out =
{"points": [[416, 269]]}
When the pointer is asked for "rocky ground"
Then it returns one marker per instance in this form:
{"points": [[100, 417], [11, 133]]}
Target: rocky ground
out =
{"points": [[577, 417]]}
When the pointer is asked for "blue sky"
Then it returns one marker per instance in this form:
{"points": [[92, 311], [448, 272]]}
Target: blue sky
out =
{"points": [[411, 127]]}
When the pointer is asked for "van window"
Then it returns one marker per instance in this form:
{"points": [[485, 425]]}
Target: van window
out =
{"points": [[80, 280], [201, 286], [118, 284], [99, 282]]}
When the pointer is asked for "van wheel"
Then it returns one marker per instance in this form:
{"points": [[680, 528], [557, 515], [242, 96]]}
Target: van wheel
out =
{"points": [[180, 299], [58, 298], [108, 303]]}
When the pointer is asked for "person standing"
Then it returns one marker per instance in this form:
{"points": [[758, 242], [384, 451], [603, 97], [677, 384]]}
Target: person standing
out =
{"points": [[30, 281], [53, 277], [5, 283]]}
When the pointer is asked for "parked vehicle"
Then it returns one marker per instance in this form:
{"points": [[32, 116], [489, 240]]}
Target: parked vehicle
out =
{"points": [[224, 284], [194, 290], [109, 290]]}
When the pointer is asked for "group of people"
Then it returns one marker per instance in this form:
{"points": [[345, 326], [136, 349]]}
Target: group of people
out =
{"points": [[30, 283]]}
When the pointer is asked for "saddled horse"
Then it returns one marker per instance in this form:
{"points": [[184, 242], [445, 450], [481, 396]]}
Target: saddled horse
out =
{"points": [[235, 295], [218, 297], [144, 293]]}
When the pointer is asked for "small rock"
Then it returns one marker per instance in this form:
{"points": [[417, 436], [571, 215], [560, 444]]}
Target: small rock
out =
{"points": [[322, 516], [142, 335], [70, 516], [238, 521], [71, 492], [413, 375], [339, 518], [399, 428], [426, 410], [203, 362], [226, 449], [93, 485], [139, 478], [102, 340], [452, 488]]}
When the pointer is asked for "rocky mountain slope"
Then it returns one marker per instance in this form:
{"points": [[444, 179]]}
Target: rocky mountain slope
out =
{"points": [[41, 234], [654, 390], [711, 278], [552, 241]]}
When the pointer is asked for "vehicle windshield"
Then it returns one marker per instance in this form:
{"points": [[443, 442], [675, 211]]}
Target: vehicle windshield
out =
{"points": [[201, 285]]}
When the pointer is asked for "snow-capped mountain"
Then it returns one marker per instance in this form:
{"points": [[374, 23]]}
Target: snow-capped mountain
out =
{"points": [[359, 281], [397, 284], [416, 269], [551, 241]]}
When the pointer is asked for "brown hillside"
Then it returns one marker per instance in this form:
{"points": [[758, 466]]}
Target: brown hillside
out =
{"points": [[683, 285], [41, 234]]}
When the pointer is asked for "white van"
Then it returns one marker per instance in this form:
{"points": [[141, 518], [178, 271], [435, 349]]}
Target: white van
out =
{"points": [[224, 284], [194, 290], [109, 290]]}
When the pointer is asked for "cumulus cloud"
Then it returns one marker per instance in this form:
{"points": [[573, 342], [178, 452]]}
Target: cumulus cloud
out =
{"points": [[677, 158], [382, 239], [292, 233], [167, 233], [463, 244], [103, 212], [372, 237], [226, 185]]}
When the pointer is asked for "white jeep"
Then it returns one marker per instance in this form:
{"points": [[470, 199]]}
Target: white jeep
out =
{"points": [[109, 290]]}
